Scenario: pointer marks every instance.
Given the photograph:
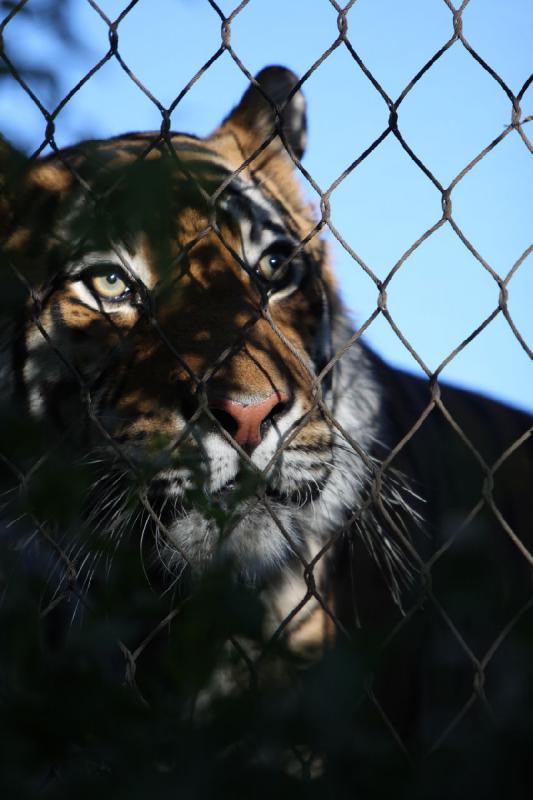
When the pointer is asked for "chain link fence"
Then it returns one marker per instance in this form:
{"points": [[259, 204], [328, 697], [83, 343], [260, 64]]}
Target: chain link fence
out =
{"points": [[60, 690]]}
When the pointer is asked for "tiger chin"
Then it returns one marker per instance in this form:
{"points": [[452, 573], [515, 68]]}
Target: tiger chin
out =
{"points": [[184, 320]]}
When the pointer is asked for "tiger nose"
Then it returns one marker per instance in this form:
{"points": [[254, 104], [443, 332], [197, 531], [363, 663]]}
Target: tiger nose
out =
{"points": [[243, 420]]}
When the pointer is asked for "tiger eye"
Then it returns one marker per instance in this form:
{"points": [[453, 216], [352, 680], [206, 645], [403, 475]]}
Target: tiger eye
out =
{"points": [[270, 263], [109, 285]]}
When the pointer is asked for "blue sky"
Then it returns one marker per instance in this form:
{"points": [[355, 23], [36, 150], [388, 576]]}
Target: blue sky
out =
{"points": [[441, 293]]}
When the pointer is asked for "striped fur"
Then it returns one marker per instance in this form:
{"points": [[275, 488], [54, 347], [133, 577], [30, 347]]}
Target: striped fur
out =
{"points": [[186, 223]]}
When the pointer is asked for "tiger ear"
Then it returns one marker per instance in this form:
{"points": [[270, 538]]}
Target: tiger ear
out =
{"points": [[255, 118]]}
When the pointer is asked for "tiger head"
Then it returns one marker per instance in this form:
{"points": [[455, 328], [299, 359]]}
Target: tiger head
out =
{"points": [[183, 315]]}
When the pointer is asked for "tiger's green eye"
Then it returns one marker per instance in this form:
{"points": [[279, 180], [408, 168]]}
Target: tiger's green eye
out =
{"points": [[109, 285]]}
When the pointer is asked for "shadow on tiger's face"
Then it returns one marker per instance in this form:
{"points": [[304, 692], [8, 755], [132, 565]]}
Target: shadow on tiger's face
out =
{"points": [[191, 301]]}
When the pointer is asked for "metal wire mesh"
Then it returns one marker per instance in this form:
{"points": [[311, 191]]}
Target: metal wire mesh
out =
{"points": [[427, 600]]}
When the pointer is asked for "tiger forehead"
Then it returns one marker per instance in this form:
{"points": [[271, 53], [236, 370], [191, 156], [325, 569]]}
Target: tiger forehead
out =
{"points": [[214, 167], [174, 206], [183, 154]]}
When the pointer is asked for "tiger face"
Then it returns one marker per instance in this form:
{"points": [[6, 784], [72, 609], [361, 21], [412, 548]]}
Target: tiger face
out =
{"points": [[182, 321]]}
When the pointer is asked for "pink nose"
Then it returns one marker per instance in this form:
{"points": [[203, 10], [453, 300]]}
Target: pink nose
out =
{"points": [[244, 421]]}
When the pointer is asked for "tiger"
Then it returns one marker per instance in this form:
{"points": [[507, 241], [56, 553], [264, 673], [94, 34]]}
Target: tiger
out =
{"points": [[181, 324]]}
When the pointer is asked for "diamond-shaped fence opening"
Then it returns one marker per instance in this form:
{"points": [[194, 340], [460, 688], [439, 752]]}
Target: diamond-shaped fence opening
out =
{"points": [[387, 638]]}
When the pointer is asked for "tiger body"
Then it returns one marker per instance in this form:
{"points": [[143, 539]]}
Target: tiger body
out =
{"points": [[228, 306]]}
